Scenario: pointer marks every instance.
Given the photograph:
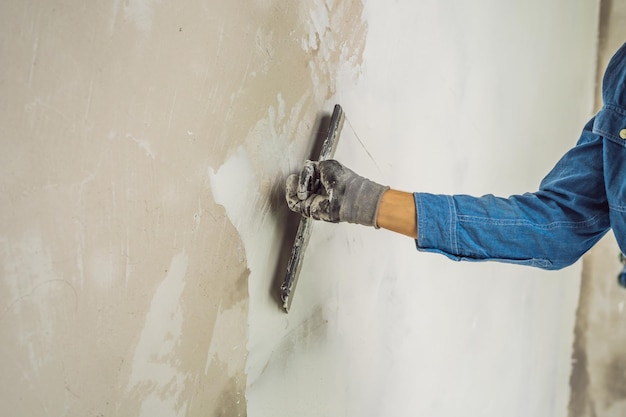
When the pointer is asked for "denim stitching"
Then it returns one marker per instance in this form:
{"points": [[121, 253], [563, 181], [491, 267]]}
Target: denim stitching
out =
{"points": [[522, 222], [452, 215], [615, 108], [621, 209]]}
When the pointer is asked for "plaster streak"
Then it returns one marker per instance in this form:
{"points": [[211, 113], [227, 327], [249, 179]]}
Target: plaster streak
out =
{"points": [[33, 63], [169, 118], [102, 268], [28, 265], [154, 364], [141, 13], [319, 23], [236, 170], [143, 144], [126, 255], [225, 345], [114, 14]]}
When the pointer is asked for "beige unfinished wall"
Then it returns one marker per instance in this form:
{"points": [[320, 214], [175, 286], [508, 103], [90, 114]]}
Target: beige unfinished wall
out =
{"points": [[123, 286]]}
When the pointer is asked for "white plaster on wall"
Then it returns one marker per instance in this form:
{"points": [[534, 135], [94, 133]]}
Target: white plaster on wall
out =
{"points": [[224, 340], [37, 269], [241, 185], [140, 13], [154, 366], [143, 144], [236, 170]]}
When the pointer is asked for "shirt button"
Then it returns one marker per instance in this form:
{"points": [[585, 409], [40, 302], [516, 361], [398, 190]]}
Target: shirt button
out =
{"points": [[622, 133]]}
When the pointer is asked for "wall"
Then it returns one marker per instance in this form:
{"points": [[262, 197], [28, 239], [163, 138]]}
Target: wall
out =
{"points": [[598, 379], [124, 286], [145, 145]]}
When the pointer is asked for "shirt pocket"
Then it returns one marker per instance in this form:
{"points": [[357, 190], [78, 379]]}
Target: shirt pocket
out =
{"points": [[610, 123]]}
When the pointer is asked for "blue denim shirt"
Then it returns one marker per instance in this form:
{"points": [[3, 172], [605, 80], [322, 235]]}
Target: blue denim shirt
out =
{"points": [[577, 202]]}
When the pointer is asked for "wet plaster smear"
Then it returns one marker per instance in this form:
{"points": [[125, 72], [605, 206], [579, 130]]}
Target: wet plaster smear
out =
{"points": [[145, 145]]}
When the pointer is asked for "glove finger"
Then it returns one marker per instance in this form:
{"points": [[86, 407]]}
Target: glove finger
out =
{"points": [[308, 180], [317, 207], [291, 193]]}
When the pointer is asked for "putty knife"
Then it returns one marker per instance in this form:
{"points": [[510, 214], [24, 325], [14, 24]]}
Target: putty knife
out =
{"points": [[288, 287]]}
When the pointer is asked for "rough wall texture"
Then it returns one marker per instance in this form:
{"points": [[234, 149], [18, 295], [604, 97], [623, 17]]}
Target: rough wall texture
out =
{"points": [[123, 285]]}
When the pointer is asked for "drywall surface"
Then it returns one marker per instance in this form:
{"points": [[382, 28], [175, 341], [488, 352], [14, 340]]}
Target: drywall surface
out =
{"points": [[144, 148], [449, 97], [124, 286]]}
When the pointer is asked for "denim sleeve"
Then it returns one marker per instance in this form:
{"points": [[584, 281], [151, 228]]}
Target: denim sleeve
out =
{"points": [[549, 229]]}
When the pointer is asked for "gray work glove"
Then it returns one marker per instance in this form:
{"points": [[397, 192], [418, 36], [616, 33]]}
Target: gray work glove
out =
{"points": [[327, 190]]}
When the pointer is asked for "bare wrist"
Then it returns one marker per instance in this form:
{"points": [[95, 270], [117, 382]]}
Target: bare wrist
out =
{"points": [[397, 213]]}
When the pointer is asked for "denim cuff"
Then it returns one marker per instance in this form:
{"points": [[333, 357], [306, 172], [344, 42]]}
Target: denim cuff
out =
{"points": [[436, 224]]}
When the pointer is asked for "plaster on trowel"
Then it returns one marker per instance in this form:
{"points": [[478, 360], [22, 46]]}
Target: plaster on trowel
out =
{"points": [[288, 286]]}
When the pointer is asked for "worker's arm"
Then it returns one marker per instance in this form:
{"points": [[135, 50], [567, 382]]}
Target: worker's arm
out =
{"points": [[550, 228], [396, 212]]}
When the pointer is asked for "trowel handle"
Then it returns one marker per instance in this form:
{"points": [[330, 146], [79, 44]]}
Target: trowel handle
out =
{"points": [[330, 143], [301, 241]]}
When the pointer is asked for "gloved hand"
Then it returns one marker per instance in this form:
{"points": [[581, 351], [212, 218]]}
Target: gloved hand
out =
{"points": [[327, 190]]}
